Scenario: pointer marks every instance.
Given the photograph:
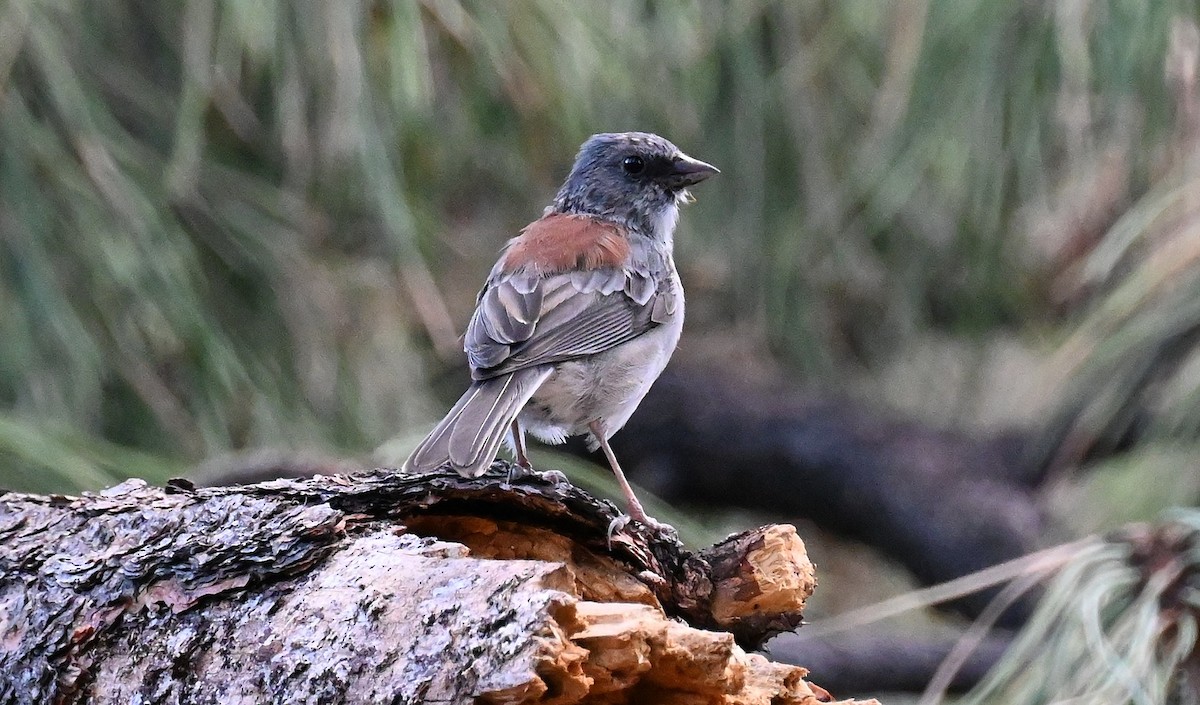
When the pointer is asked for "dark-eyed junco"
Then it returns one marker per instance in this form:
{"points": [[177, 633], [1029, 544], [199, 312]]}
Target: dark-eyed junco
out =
{"points": [[580, 314]]}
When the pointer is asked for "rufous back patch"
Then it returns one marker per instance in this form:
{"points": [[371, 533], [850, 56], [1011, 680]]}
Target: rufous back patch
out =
{"points": [[561, 242]]}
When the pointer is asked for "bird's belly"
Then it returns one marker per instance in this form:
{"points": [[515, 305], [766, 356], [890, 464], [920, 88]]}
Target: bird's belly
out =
{"points": [[605, 387]]}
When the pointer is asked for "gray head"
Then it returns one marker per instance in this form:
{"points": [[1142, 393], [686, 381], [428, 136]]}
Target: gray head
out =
{"points": [[634, 178]]}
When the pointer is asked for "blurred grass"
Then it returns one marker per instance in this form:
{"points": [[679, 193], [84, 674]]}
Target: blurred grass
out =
{"points": [[228, 224], [1118, 624]]}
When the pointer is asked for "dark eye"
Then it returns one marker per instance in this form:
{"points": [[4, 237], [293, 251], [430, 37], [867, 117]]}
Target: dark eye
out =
{"points": [[633, 165]]}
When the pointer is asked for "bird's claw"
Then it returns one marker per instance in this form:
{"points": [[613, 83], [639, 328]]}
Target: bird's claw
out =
{"points": [[518, 472], [653, 525], [553, 477], [615, 526]]}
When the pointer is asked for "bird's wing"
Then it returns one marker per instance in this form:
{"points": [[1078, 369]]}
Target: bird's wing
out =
{"points": [[528, 317]]}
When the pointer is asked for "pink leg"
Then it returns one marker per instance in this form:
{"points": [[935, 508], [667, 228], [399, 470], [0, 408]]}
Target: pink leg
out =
{"points": [[635, 507], [523, 468], [519, 446]]}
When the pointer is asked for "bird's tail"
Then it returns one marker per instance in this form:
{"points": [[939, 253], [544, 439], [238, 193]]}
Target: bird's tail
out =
{"points": [[470, 435]]}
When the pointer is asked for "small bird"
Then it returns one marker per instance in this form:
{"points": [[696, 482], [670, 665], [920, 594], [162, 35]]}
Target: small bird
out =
{"points": [[579, 315]]}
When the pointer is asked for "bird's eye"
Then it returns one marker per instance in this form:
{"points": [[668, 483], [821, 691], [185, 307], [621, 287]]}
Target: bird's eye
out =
{"points": [[633, 165]]}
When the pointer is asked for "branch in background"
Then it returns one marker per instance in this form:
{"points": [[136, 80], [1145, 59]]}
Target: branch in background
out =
{"points": [[884, 663], [943, 504]]}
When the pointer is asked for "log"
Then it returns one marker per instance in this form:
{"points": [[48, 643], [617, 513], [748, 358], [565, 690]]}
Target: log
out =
{"points": [[384, 587]]}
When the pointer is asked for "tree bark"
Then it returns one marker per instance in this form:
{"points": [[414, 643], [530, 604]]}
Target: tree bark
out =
{"points": [[384, 587]]}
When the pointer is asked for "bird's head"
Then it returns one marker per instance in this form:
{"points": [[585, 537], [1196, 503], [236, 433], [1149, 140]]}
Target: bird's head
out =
{"points": [[634, 178]]}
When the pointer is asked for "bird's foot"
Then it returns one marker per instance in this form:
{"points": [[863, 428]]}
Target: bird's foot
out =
{"points": [[554, 477], [616, 526], [518, 472], [655, 526]]}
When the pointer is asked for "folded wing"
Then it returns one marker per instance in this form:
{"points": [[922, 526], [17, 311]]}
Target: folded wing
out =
{"points": [[560, 307]]}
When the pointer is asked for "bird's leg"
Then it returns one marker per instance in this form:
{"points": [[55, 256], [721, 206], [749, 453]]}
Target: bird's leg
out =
{"points": [[635, 507], [523, 468], [519, 446]]}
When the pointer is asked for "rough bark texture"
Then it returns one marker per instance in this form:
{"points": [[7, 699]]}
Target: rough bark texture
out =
{"points": [[383, 588]]}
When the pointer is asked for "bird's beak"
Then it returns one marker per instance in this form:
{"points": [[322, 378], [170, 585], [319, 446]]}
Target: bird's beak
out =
{"points": [[686, 171]]}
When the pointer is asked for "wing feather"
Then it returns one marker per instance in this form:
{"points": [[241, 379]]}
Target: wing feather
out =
{"points": [[570, 324], [563, 306]]}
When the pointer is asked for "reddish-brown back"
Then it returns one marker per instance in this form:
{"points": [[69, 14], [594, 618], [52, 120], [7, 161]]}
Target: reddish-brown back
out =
{"points": [[562, 242]]}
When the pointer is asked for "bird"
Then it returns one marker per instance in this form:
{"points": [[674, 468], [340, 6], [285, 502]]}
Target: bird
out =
{"points": [[579, 315]]}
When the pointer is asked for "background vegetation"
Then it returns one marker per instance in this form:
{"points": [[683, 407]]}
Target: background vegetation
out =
{"points": [[229, 225]]}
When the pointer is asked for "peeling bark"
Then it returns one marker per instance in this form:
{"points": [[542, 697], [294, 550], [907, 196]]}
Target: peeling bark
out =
{"points": [[383, 587]]}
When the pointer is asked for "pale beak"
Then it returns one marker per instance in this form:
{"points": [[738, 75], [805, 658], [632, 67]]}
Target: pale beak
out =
{"points": [[686, 171]]}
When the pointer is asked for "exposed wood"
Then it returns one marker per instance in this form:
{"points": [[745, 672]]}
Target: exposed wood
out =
{"points": [[383, 588], [761, 579]]}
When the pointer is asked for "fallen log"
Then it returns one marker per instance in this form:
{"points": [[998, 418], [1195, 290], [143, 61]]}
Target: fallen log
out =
{"points": [[383, 587]]}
